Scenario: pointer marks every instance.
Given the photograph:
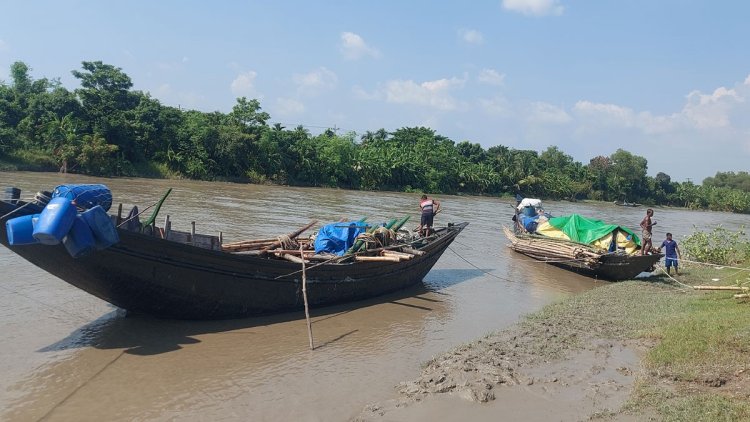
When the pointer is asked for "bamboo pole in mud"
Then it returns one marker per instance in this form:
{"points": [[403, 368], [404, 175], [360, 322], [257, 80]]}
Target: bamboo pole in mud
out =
{"points": [[304, 296]]}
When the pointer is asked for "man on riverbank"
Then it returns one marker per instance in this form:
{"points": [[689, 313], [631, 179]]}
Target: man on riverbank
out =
{"points": [[429, 208], [646, 226], [672, 253]]}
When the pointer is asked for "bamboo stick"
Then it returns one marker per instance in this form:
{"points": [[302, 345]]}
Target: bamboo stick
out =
{"points": [[741, 296], [398, 254], [733, 288], [307, 308], [250, 242], [378, 258], [291, 258], [413, 251]]}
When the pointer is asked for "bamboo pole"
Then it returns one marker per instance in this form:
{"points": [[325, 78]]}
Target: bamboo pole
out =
{"points": [[413, 251], [292, 258], [741, 296], [378, 258], [250, 242], [398, 254], [733, 288], [307, 308]]}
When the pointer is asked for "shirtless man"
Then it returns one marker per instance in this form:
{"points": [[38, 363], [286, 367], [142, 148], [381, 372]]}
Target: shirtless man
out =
{"points": [[646, 225]]}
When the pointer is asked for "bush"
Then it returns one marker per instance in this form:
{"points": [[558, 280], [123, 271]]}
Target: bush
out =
{"points": [[719, 246]]}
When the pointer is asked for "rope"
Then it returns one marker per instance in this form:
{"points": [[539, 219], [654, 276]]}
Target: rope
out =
{"points": [[686, 286], [15, 210], [718, 266], [286, 242], [480, 269]]}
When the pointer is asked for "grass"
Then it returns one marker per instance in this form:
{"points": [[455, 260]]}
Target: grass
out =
{"points": [[698, 365], [699, 368]]}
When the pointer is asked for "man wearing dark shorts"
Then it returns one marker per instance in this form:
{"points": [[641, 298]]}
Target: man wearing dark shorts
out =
{"points": [[429, 208], [646, 228], [671, 253]]}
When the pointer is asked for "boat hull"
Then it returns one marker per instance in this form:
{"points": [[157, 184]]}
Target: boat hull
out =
{"points": [[606, 266], [150, 275]]}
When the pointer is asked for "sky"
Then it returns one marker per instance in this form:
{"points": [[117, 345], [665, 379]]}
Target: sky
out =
{"points": [[666, 80]]}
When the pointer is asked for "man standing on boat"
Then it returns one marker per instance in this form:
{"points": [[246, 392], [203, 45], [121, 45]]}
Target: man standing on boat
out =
{"points": [[429, 208], [646, 225], [672, 254]]}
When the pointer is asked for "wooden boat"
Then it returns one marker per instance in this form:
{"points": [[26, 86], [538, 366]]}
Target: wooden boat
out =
{"points": [[182, 277], [578, 257], [626, 204]]}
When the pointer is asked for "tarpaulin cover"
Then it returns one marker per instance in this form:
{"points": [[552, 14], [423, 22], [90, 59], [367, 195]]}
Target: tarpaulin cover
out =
{"points": [[337, 238], [584, 230]]}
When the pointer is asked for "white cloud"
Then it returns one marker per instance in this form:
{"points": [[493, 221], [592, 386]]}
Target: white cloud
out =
{"points": [[361, 94], [353, 47], [244, 84], [706, 111], [471, 36], [545, 113], [491, 77], [289, 106], [597, 115], [534, 7], [315, 82], [498, 106], [747, 80], [433, 94]]}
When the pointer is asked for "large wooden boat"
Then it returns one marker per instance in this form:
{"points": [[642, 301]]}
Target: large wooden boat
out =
{"points": [[147, 274], [622, 260]]}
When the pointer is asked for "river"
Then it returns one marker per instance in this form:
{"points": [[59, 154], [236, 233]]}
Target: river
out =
{"points": [[68, 356]]}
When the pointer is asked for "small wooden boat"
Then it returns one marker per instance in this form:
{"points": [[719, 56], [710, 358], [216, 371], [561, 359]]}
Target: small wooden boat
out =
{"points": [[626, 204], [613, 256], [166, 273]]}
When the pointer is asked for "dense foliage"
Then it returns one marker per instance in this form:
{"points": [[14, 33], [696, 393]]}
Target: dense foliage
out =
{"points": [[718, 246], [107, 128]]}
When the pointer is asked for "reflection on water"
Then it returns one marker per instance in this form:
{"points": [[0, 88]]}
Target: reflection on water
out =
{"points": [[70, 356]]}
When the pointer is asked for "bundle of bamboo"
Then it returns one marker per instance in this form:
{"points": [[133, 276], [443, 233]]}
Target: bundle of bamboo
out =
{"points": [[543, 249]]}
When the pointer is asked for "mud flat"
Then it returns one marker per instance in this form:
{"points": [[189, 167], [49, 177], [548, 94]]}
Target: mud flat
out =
{"points": [[597, 355]]}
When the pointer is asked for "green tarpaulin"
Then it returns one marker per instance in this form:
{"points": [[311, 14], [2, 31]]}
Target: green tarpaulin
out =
{"points": [[584, 230]]}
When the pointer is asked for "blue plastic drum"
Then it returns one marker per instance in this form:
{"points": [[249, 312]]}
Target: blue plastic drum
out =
{"points": [[55, 221], [20, 230], [79, 241], [85, 196], [105, 232]]}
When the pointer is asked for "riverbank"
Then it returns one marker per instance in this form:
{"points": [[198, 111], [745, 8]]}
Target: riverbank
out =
{"points": [[635, 350]]}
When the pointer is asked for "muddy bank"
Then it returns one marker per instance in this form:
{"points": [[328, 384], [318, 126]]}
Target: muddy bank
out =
{"points": [[578, 359]]}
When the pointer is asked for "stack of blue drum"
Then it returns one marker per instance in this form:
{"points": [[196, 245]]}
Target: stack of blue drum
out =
{"points": [[76, 216]]}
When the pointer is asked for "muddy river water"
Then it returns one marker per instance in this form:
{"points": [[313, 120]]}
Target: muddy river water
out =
{"points": [[69, 356]]}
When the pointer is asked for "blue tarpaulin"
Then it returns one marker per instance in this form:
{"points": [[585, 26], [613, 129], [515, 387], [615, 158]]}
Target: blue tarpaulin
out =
{"points": [[337, 238]]}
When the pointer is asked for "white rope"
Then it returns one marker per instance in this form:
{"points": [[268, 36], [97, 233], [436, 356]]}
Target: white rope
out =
{"points": [[717, 266]]}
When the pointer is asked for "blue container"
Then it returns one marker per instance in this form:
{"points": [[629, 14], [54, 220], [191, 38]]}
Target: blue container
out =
{"points": [[105, 232], [79, 241], [85, 196], [20, 230], [55, 221], [529, 211]]}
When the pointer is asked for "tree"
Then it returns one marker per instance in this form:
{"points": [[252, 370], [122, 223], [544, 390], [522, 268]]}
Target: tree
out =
{"points": [[105, 96], [627, 178]]}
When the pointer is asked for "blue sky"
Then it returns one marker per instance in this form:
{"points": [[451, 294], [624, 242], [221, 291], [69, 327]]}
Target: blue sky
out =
{"points": [[666, 80]]}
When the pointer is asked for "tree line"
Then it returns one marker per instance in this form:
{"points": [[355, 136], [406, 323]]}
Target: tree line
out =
{"points": [[106, 128]]}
